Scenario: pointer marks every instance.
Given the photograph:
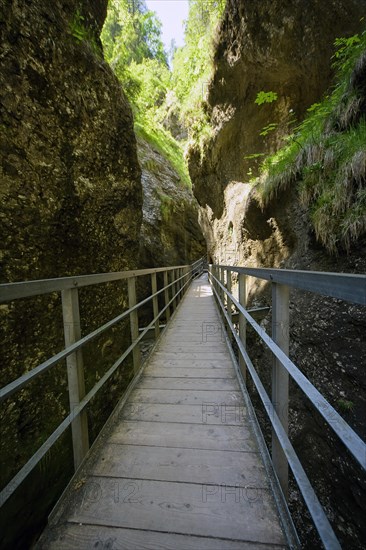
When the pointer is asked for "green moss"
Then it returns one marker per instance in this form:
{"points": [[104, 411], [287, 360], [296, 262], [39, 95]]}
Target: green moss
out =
{"points": [[166, 145], [166, 206]]}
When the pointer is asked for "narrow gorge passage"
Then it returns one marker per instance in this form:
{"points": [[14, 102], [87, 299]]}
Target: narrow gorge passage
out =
{"points": [[140, 134], [180, 466]]}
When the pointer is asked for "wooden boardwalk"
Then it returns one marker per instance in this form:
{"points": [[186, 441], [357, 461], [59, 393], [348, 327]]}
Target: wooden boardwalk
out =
{"points": [[179, 466]]}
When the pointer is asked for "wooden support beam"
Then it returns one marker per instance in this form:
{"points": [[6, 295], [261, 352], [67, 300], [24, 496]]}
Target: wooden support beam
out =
{"points": [[154, 289], [242, 321], [228, 302], [134, 323], [75, 373], [166, 296], [174, 288], [280, 377]]}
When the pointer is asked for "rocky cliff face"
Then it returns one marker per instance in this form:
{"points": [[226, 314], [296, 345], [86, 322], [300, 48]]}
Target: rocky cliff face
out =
{"points": [[170, 233], [71, 203], [70, 182], [285, 47]]}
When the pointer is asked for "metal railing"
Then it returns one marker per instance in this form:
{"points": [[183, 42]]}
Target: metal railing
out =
{"points": [[172, 292], [342, 286]]}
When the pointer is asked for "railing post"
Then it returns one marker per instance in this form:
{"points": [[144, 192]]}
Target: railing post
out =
{"points": [[222, 281], [177, 285], [280, 377], [75, 373], [166, 295], [216, 273], [181, 283], [174, 287], [134, 322], [242, 322], [154, 289], [228, 301]]}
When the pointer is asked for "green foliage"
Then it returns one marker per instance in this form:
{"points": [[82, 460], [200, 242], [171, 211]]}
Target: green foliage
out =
{"points": [[193, 66], [166, 206], [131, 33], [268, 129], [343, 45], [133, 46], [77, 27], [265, 97], [345, 405], [165, 144], [326, 155], [254, 156], [82, 33]]}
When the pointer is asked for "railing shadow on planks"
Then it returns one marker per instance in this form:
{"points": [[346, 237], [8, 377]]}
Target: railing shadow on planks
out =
{"points": [[348, 287], [172, 293]]}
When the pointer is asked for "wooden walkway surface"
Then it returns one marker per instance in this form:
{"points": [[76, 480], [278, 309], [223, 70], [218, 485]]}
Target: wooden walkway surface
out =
{"points": [[179, 467]]}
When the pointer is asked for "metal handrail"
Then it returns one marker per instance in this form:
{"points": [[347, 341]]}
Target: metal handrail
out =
{"points": [[330, 284], [344, 286], [24, 289], [13, 291]]}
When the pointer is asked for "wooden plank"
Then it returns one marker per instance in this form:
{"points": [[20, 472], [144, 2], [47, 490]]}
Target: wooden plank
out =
{"points": [[188, 436], [180, 468], [188, 323], [85, 537], [189, 363], [184, 372], [184, 397], [217, 384], [204, 355], [197, 337], [185, 465], [230, 414], [183, 508], [207, 348]]}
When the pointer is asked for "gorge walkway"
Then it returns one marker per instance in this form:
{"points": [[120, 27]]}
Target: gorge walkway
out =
{"points": [[180, 466], [182, 463]]}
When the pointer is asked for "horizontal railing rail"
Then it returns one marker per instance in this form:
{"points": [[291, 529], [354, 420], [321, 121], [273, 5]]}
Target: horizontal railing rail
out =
{"points": [[25, 289], [283, 453], [173, 291], [344, 286]]}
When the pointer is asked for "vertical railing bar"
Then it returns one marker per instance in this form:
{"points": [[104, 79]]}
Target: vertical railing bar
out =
{"points": [[280, 377], [174, 287], [228, 302], [242, 322], [166, 295], [134, 323], [75, 373], [181, 273], [154, 289], [222, 280]]}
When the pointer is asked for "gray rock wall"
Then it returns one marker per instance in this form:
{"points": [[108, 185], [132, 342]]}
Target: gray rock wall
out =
{"points": [[71, 203]]}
